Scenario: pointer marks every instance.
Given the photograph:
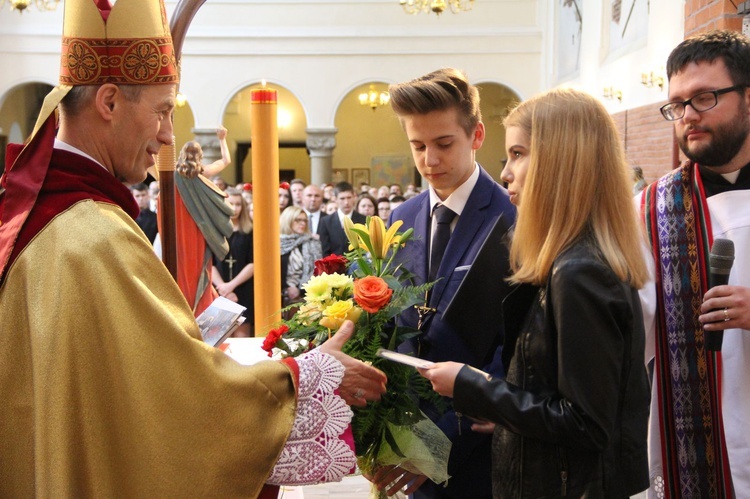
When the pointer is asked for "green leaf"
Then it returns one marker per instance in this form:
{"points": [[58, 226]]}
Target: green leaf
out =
{"points": [[392, 442]]}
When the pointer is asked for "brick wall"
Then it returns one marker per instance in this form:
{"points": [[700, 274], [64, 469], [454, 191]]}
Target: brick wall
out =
{"points": [[648, 140], [705, 15], [647, 137]]}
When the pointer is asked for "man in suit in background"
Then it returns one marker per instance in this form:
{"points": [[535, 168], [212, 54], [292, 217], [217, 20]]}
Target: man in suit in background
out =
{"points": [[146, 217], [331, 228], [312, 199], [440, 115], [296, 186]]}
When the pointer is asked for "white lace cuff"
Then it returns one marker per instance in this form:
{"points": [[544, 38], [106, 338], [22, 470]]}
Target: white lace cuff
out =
{"points": [[316, 450]]}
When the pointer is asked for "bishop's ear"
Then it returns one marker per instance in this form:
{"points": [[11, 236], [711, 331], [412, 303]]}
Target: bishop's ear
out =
{"points": [[107, 97]]}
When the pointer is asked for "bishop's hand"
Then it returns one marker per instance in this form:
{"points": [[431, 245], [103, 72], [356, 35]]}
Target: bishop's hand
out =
{"points": [[362, 382]]}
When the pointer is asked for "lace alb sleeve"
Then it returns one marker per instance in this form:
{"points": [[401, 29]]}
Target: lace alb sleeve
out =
{"points": [[320, 447]]}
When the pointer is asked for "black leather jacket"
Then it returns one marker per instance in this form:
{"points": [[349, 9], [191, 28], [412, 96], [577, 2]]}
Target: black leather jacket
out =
{"points": [[572, 413]]}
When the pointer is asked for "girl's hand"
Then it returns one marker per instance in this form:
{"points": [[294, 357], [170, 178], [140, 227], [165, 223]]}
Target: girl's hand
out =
{"points": [[442, 376]]}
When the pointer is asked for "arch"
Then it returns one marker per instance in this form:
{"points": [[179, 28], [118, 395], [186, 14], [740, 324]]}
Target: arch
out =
{"points": [[294, 160], [496, 100], [20, 106], [358, 86], [370, 139]]}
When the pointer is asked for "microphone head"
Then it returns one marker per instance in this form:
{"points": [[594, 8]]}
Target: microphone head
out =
{"points": [[721, 258]]}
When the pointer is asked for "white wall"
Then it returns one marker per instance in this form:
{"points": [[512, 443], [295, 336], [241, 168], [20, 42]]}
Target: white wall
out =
{"points": [[319, 50]]}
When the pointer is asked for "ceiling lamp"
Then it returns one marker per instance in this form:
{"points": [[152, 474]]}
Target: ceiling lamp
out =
{"points": [[436, 6], [21, 5], [373, 98]]}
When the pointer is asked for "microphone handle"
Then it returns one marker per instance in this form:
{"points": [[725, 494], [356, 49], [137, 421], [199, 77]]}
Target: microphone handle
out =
{"points": [[714, 339]]}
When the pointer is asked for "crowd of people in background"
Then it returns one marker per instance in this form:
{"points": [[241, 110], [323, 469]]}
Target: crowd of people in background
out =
{"points": [[575, 256], [301, 243]]}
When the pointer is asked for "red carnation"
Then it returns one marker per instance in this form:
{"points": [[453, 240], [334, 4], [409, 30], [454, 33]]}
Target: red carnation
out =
{"points": [[330, 265], [284, 185], [273, 336]]}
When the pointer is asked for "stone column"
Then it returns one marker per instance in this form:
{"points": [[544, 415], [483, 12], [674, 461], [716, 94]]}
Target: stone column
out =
{"points": [[320, 143], [206, 137]]}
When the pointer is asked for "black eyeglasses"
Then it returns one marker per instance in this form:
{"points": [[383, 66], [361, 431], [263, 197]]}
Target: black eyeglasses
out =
{"points": [[700, 102]]}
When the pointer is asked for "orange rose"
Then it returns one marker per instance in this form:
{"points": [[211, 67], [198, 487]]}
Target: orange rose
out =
{"points": [[372, 293]]}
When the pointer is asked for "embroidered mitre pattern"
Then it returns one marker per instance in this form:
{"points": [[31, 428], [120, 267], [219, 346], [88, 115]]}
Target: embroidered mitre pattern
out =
{"points": [[129, 43]]}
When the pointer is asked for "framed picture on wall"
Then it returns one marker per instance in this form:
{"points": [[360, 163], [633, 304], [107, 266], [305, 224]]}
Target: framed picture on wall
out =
{"points": [[360, 176], [387, 170], [339, 175]]}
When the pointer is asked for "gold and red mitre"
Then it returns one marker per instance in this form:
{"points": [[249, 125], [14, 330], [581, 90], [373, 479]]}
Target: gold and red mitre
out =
{"points": [[127, 44]]}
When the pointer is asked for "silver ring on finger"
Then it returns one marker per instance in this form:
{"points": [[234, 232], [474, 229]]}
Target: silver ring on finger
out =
{"points": [[359, 393]]}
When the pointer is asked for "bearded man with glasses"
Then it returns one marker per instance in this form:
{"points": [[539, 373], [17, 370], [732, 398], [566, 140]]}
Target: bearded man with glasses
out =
{"points": [[700, 404]]}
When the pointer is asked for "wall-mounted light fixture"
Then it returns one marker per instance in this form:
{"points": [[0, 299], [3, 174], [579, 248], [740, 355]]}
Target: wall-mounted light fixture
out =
{"points": [[652, 79], [612, 93], [374, 98], [436, 6], [21, 5]]}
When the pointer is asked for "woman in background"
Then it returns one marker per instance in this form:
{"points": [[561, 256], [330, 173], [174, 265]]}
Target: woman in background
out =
{"points": [[285, 196], [571, 415], [233, 275], [366, 205], [299, 250]]}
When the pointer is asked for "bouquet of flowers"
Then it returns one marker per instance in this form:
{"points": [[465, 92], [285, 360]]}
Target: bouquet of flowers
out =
{"points": [[370, 289]]}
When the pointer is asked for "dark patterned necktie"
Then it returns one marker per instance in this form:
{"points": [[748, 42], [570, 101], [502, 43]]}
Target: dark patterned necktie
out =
{"points": [[440, 237]]}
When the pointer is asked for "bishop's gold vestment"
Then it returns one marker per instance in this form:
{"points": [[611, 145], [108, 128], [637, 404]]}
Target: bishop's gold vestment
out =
{"points": [[107, 389]]}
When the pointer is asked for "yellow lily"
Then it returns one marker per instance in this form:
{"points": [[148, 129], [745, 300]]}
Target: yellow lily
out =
{"points": [[381, 240], [354, 239], [377, 234], [391, 238]]}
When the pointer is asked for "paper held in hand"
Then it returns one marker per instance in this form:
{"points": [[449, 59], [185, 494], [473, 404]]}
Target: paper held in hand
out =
{"points": [[403, 358], [220, 320]]}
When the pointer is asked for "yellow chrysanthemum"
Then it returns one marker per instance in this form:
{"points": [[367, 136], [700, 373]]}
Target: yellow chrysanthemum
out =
{"points": [[308, 313], [323, 287], [335, 314]]}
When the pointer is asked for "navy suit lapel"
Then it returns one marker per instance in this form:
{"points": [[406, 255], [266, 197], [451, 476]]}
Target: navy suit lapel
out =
{"points": [[419, 257], [464, 233]]}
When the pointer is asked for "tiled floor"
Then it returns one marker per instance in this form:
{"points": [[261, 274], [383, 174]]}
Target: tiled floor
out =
{"points": [[352, 487]]}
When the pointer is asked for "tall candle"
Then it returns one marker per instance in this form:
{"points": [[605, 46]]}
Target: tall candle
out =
{"points": [[266, 239]]}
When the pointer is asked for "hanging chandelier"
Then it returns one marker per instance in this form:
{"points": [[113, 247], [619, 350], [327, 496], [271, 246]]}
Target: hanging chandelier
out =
{"points": [[21, 5], [374, 99], [436, 6]]}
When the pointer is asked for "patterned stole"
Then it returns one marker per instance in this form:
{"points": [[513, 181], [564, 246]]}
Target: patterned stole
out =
{"points": [[694, 453]]}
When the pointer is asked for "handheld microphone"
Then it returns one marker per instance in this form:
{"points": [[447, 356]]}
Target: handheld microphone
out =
{"points": [[720, 262]]}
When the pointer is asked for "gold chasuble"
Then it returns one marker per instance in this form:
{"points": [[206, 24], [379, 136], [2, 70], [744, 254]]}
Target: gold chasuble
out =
{"points": [[108, 390]]}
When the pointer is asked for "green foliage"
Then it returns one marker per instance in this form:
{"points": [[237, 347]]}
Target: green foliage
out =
{"points": [[406, 388]]}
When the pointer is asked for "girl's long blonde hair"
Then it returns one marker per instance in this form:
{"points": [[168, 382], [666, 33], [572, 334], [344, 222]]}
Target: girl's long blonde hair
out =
{"points": [[577, 181], [245, 222]]}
